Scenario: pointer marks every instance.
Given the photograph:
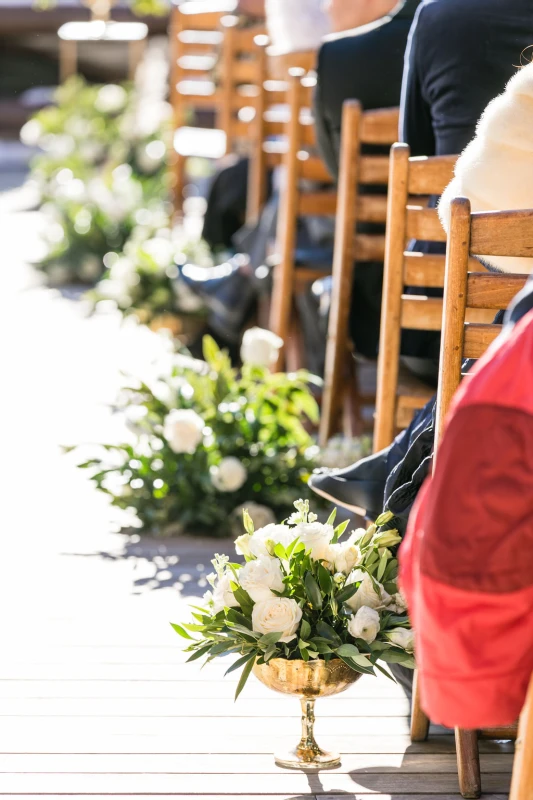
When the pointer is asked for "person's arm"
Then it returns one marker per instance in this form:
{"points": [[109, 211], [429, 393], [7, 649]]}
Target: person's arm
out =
{"points": [[416, 128], [324, 133]]}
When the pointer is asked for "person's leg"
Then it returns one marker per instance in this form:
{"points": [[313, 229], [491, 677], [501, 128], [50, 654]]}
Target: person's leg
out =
{"points": [[226, 206]]}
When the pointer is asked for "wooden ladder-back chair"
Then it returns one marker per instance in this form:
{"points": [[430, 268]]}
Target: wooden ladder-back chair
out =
{"points": [[270, 143], [267, 132], [400, 394], [523, 761], [214, 68], [195, 41], [356, 171], [301, 162], [467, 287]]}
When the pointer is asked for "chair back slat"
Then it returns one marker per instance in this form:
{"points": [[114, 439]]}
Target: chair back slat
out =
{"points": [[424, 225], [380, 127], [484, 292], [423, 269], [430, 175], [374, 170], [502, 233], [478, 338], [421, 313]]}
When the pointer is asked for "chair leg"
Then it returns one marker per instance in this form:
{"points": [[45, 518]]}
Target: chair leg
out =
{"points": [[468, 763], [419, 720], [522, 783]]}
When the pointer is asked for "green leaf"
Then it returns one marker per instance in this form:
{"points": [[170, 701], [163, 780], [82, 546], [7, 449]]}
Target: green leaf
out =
{"points": [[181, 632], [210, 350], [339, 530], [305, 630], [245, 675], [238, 663], [353, 664], [346, 593], [280, 551], [312, 591], [304, 653], [395, 656], [326, 631], [349, 650], [269, 638], [238, 618], [320, 647], [385, 672], [244, 600], [199, 653], [324, 579], [332, 517]]}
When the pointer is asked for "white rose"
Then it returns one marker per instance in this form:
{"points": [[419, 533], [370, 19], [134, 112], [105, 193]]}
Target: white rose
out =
{"points": [[343, 556], [316, 537], [183, 430], [402, 637], [161, 250], [165, 393], [110, 99], [366, 595], [260, 347], [364, 624], [31, 132], [223, 597], [265, 539], [229, 475], [260, 576], [277, 614], [398, 604]]}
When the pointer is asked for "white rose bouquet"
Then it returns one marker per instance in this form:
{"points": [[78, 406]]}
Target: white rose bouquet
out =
{"points": [[305, 593], [99, 175], [207, 439]]}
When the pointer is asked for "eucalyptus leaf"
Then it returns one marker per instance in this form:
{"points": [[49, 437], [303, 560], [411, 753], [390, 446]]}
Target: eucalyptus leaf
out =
{"points": [[312, 591], [245, 675]]}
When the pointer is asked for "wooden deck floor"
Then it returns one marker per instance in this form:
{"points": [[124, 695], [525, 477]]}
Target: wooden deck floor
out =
{"points": [[95, 698]]}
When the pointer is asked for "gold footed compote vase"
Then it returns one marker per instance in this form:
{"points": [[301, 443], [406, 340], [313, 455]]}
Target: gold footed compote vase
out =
{"points": [[307, 680]]}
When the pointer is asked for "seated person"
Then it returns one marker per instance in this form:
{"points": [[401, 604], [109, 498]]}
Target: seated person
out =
{"points": [[460, 55], [463, 565], [363, 59]]}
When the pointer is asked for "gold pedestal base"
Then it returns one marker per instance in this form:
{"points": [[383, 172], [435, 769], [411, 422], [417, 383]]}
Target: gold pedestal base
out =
{"points": [[305, 758]]}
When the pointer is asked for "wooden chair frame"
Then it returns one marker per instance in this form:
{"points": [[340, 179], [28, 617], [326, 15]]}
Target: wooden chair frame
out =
{"points": [[300, 163], [501, 233], [398, 396], [378, 127]]}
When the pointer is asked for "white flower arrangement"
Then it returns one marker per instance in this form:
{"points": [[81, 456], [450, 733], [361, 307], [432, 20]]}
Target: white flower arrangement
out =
{"points": [[303, 593]]}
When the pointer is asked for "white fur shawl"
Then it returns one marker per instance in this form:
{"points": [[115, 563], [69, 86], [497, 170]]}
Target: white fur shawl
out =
{"points": [[495, 171], [295, 25]]}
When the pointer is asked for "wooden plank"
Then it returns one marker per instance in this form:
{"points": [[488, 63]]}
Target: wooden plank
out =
{"points": [[173, 689], [325, 782], [313, 168], [421, 313], [198, 707], [305, 796], [380, 126], [138, 725], [317, 204], [369, 247], [495, 291], [502, 233], [374, 170], [423, 224], [372, 208], [100, 741], [237, 763], [430, 175], [478, 338], [424, 270]]}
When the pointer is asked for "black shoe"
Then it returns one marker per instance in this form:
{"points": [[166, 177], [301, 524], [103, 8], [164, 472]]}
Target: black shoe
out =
{"points": [[359, 487], [227, 292]]}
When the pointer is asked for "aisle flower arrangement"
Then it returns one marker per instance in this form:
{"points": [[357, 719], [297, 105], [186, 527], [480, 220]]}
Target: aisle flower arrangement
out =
{"points": [[305, 593], [208, 439], [101, 173], [143, 280]]}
